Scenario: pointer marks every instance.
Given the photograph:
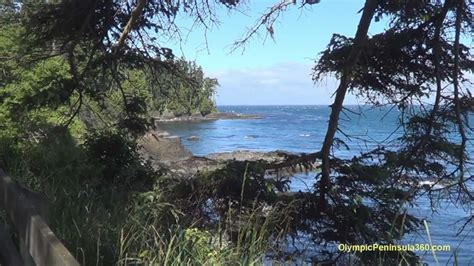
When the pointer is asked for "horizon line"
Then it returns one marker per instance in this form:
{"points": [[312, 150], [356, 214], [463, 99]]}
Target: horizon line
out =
{"points": [[352, 104]]}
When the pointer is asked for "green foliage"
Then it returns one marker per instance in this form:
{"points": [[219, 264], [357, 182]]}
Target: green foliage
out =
{"points": [[116, 158], [165, 233], [183, 90], [86, 210], [43, 85], [70, 114], [49, 67]]}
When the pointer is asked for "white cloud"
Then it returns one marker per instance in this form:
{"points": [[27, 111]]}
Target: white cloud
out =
{"points": [[284, 83]]}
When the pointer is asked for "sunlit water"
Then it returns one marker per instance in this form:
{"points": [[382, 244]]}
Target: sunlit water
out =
{"points": [[302, 129]]}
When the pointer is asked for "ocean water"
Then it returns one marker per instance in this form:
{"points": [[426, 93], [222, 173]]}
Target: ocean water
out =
{"points": [[302, 129]]}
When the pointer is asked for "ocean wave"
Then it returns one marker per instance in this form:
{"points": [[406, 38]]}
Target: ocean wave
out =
{"points": [[318, 118], [251, 136], [225, 137], [304, 135], [193, 138]]}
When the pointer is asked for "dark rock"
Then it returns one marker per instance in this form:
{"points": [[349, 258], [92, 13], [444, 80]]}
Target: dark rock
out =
{"points": [[159, 146], [246, 155]]}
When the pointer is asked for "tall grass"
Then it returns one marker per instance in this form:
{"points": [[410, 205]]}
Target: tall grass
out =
{"points": [[145, 241], [145, 244]]}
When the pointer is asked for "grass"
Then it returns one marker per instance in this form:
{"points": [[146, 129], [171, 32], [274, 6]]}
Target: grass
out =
{"points": [[190, 246], [425, 223]]}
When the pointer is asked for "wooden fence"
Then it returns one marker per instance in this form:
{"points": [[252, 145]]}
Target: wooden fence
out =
{"points": [[38, 245]]}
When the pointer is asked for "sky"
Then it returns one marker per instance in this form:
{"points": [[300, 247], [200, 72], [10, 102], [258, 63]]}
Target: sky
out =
{"points": [[271, 71]]}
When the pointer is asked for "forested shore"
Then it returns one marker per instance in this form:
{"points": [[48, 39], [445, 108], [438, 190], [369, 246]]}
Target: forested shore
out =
{"points": [[83, 83]]}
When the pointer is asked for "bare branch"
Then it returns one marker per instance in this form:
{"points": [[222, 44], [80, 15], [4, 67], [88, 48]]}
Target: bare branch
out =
{"points": [[266, 20], [131, 23]]}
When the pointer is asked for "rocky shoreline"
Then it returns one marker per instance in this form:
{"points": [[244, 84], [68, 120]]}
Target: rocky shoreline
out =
{"points": [[209, 117], [164, 150]]}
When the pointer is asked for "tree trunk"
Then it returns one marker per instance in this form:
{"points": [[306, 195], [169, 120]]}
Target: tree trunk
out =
{"points": [[336, 107]]}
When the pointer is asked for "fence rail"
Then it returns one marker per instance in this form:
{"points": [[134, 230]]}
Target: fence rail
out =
{"points": [[38, 245]]}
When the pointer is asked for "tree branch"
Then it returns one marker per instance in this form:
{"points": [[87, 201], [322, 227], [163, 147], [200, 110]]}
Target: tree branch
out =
{"points": [[131, 23]]}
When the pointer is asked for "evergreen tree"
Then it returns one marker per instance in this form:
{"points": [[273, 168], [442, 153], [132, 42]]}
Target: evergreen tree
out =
{"points": [[61, 55]]}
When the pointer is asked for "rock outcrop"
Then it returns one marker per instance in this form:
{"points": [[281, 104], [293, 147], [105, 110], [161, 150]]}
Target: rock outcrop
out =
{"points": [[166, 151], [161, 147]]}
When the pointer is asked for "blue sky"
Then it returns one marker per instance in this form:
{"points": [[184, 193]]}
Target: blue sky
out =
{"points": [[271, 71]]}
